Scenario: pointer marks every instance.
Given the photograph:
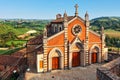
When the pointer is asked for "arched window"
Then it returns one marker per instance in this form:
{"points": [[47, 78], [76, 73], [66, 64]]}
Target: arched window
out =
{"points": [[60, 28], [55, 28]]}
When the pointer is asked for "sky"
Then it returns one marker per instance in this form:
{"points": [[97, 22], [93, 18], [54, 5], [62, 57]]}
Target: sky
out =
{"points": [[47, 9]]}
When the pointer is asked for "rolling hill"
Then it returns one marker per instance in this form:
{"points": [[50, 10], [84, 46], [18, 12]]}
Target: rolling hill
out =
{"points": [[112, 23]]}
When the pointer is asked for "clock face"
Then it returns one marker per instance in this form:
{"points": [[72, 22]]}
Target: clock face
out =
{"points": [[76, 29]]}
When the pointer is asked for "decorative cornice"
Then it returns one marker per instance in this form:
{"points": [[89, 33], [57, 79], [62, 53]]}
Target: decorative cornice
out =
{"points": [[94, 33], [76, 18]]}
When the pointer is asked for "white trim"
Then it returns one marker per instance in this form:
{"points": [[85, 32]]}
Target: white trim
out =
{"points": [[98, 54], [94, 33], [38, 46], [55, 35], [93, 46], [39, 58], [74, 19], [54, 50], [76, 40], [61, 63]]}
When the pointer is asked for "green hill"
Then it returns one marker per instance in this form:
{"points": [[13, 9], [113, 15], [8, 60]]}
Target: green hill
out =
{"points": [[108, 23], [10, 30], [112, 30], [5, 28]]}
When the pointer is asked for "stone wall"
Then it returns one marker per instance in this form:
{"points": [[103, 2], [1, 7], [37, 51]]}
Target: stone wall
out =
{"points": [[109, 71], [112, 55]]}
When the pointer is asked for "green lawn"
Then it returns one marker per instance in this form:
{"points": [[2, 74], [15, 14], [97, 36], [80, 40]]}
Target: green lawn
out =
{"points": [[16, 43], [3, 51], [10, 51], [21, 31]]}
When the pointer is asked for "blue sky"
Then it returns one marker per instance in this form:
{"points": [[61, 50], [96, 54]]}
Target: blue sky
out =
{"points": [[47, 9]]}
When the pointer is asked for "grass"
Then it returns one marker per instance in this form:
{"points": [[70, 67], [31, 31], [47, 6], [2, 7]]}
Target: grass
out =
{"points": [[112, 33], [21, 31], [10, 51], [3, 51], [18, 31], [16, 43]]}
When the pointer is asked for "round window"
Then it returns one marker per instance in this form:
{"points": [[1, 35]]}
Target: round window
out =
{"points": [[76, 29]]}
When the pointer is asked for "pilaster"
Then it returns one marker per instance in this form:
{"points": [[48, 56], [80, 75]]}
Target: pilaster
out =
{"points": [[87, 23], [103, 41], [65, 23], [45, 60]]}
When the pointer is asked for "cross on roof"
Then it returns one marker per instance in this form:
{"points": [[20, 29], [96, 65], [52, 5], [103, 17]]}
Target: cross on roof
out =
{"points": [[76, 10], [76, 6]]}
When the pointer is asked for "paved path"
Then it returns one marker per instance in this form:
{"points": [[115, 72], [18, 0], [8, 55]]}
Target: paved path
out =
{"points": [[77, 73]]}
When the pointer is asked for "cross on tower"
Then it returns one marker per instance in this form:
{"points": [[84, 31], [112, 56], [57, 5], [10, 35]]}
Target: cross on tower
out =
{"points": [[76, 10]]}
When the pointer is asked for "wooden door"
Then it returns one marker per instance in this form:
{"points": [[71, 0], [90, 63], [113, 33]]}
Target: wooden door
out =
{"points": [[55, 63], [75, 59], [94, 57]]}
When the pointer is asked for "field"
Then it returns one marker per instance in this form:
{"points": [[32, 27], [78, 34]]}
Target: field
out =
{"points": [[112, 33], [16, 43], [10, 51]]}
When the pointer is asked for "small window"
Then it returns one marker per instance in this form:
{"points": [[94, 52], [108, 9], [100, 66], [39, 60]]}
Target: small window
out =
{"points": [[41, 64]]}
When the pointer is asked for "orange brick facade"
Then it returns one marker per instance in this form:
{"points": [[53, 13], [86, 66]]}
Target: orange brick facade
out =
{"points": [[68, 42]]}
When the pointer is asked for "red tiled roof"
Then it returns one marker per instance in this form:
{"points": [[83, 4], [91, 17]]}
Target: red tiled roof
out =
{"points": [[38, 49], [37, 40], [19, 53], [62, 19], [8, 60]]}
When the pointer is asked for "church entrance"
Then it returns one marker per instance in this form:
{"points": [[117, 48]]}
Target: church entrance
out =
{"points": [[75, 59], [94, 57], [55, 63]]}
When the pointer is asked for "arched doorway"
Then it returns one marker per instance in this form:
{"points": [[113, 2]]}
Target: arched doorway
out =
{"points": [[75, 59], [77, 49], [94, 55], [55, 59]]}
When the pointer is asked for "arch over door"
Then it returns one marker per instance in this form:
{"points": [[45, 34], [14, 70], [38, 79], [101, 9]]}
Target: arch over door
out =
{"points": [[75, 59], [95, 54], [55, 59]]}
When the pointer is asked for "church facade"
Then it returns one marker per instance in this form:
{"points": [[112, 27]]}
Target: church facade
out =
{"points": [[67, 42]]}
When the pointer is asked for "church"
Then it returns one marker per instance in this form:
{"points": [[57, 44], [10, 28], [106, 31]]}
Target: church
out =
{"points": [[66, 42]]}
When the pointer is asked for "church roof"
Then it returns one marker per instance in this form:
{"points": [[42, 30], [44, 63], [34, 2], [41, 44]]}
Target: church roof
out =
{"points": [[19, 53], [8, 60], [35, 41], [69, 18]]}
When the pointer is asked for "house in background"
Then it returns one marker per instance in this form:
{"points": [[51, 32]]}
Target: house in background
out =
{"points": [[67, 42]]}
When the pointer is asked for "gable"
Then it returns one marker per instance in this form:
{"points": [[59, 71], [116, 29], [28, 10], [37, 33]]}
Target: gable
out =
{"points": [[72, 23], [94, 37], [57, 39]]}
